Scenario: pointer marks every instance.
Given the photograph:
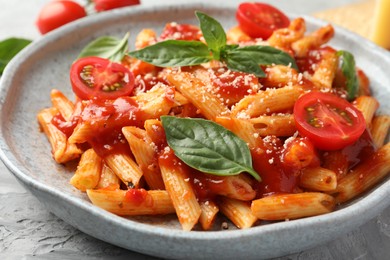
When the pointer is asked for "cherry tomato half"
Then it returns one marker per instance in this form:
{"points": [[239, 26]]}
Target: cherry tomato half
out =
{"points": [[330, 122], [98, 78], [103, 5], [58, 13], [259, 20]]}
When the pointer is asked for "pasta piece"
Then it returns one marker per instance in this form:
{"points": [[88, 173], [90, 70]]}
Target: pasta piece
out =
{"points": [[312, 41], [208, 215], [175, 176], [379, 129], [196, 92], [88, 171], [239, 212], [242, 128], [133, 202], [279, 125], [62, 103], [145, 153], [266, 102], [365, 175], [62, 150], [325, 71], [125, 168], [283, 38], [145, 38], [280, 76], [318, 179], [368, 106], [108, 179], [156, 102], [292, 206], [235, 35]]}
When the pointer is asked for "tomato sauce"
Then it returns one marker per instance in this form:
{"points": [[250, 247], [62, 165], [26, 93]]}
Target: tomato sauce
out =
{"points": [[313, 58], [64, 126], [276, 178], [106, 118], [136, 196]]}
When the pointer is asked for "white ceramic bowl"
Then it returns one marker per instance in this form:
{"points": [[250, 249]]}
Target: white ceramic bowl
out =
{"points": [[25, 89]]}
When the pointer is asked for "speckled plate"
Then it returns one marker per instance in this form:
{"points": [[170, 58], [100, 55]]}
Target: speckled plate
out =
{"points": [[25, 89]]}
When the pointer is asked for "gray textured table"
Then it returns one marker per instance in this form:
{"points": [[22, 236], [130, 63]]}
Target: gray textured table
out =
{"points": [[28, 230]]}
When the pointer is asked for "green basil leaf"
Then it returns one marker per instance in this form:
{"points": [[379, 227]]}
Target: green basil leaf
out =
{"points": [[172, 53], [213, 33], [9, 48], [107, 47], [244, 63], [349, 71], [265, 55], [208, 147]]}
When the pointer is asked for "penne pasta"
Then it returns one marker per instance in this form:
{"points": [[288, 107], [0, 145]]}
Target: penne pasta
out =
{"points": [[368, 106], [292, 206], [312, 41], [278, 125], [239, 212], [318, 179], [125, 168], [208, 215], [133, 202], [108, 179], [62, 103], [379, 129], [87, 174]]}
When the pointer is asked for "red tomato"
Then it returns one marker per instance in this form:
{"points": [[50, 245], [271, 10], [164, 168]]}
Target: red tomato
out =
{"points": [[259, 20], [98, 78], [58, 13], [330, 122], [186, 32], [103, 5]]}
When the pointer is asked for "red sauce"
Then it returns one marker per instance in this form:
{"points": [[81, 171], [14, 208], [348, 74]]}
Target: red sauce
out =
{"points": [[186, 32], [145, 83], [106, 119], [362, 149], [276, 178], [313, 58], [232, 85], [206, 185], [64, 126], [136, 196]]}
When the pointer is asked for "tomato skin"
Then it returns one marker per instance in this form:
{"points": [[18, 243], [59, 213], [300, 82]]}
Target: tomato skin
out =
{"points": [[104, 5], [259, 20], [58, 13], [90, 77], [329, 122]]}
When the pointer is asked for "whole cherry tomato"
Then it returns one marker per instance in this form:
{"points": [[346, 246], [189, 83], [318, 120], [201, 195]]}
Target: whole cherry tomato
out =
{"points": [[259, 20], [98, 78], [329, 122], [58, 13], [103, 5]]}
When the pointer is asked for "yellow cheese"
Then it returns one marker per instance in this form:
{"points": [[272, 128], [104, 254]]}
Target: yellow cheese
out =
{"points": [[381, 29], [356, 17]]}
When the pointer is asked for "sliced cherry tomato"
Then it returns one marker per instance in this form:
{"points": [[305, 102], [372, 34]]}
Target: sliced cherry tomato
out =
{"points": [[186, 32], [330, 122], [58, 13], [259, 20], [98, 78], [103, 5]]}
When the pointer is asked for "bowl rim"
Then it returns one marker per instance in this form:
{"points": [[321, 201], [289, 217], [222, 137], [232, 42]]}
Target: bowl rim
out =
{"points": [[363, 207]]}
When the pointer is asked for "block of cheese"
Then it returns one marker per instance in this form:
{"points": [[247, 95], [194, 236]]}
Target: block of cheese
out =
{"points": [[381, 24], [357, 17]]}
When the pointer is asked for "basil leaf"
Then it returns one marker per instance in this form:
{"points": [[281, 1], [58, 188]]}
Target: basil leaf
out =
{"points": [[208, 147], [265, 55], [213, 33], [107, 47], [9, 48], [173, 53], [349, 71], [241, 62]]}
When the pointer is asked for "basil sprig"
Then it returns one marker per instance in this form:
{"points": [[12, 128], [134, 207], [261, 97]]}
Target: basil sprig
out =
{"points": [[207, 146], [347, 63], [9, 48], [247, 59], [107, 47]]}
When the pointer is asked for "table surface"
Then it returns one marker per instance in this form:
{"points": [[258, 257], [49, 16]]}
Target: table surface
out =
{"points": [[28, 230]]}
